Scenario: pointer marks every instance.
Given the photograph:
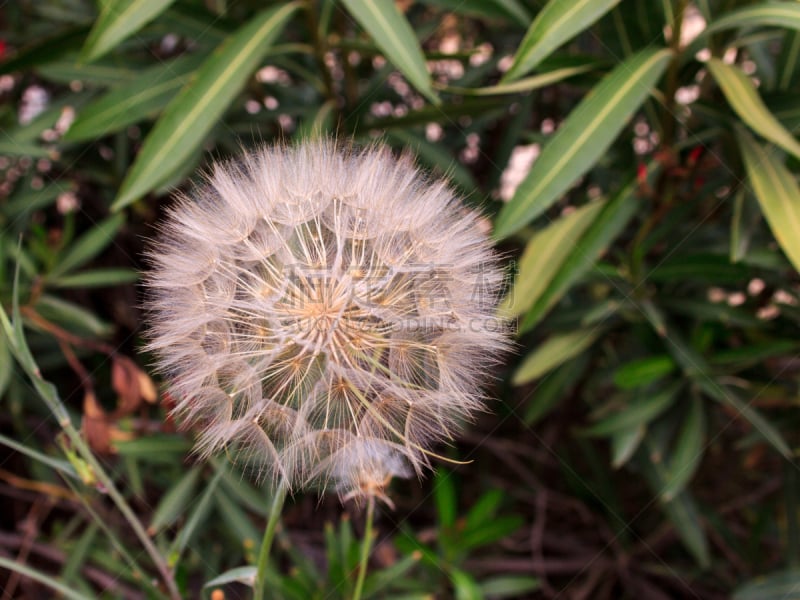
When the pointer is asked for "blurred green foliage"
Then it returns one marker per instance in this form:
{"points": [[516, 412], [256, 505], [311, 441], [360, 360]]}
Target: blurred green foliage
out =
{"points": [[645, 438]]}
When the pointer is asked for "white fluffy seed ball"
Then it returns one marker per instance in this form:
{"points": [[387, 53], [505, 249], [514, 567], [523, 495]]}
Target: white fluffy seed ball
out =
{"points": [[325, 314]]}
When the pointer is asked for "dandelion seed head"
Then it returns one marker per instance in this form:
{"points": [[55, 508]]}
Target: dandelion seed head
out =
{"points": [[324, 314]]}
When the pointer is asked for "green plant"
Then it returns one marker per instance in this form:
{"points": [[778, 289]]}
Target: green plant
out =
{"points": [[648, 427]]}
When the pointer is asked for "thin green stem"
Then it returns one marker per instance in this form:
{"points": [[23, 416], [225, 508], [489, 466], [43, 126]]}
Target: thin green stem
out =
{"points": [[48, 393], [266, 542], [366, 547], [122, 505]]}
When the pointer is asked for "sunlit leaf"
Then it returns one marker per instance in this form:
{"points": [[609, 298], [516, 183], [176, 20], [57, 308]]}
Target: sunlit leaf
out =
{"points": [[583, 138], [556, 350], [777, 192], [118, 20], [744, 99], [394, 36], [558, 22], [192, 114]]}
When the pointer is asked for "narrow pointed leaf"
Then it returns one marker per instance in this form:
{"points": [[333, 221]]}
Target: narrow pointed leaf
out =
{"points": [[245, 575], [198, 107], [393, 34], [583, 138], [558, 22], [776, 14], [777, 192], [744, 99], [642, 409], [681, 511], [613, 218], [525, 85], [15, 566], [512, 10], [129, 103], [687, 452], [118, 20], [88, 246], [624, 444], [783, 585], [543, 256], [553, 352], [175, 501]]}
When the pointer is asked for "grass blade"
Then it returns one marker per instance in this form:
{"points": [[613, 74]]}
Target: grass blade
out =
{"points": [[197, 108], [556, 23], [583, 138], [777, 193], [394, 36]]}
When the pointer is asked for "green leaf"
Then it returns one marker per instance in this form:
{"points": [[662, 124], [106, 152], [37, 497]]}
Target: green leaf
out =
{"points": [[682, 512], [157, 448], [543, 256], [88, 246], [558, 22], [95, 278], [99, 74], [195, 519], [509, 586], [45, 50], [42, 578], [174, 502], [584, 252], [445, 496], [744, 99], [557, 349], [198, 107], [644, 371], [551, 390], [524, 85], [643, 408], [73, 317], [583, 138], [484, 509], [697, 369], [400, 570], [62, 466], [6, 365], [624, 444], [392, 33], [245, 575], [118, 20], [132, 102], [687, 452], [465, 586], [77, 556], [489, 9], [777, 14], [777, 192], [783, 585]]}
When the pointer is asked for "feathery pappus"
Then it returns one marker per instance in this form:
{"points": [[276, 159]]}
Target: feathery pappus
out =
{"points": [[325, 314]]}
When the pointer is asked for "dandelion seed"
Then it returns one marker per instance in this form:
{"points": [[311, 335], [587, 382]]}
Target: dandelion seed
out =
{"points": [[324, 314]]}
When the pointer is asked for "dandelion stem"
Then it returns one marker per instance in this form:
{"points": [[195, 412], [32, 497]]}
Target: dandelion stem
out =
{"points": [[266, 541], [366, 547]]}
